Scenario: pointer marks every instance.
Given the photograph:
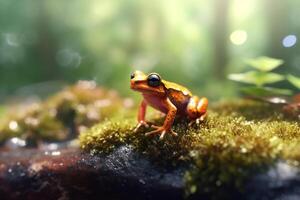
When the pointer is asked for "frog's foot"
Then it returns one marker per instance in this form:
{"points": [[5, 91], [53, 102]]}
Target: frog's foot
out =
{"points": [[198, 120], [202, 118], [141, 124], [192, 122], [162, 131]]}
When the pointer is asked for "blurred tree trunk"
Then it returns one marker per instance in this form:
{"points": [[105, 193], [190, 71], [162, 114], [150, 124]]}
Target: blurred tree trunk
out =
{"points": [[277, 21], [46, 45], [220, 38]]}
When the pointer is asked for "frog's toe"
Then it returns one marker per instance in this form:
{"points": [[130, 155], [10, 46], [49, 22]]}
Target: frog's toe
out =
{"points": [[191, 123], [156, 131], [137, 127], [140, 124], [162, 135], [197, 121], [203, 117], [162, 131], [173, 133], [154, 126]]}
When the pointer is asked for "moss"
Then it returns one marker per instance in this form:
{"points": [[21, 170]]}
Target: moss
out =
{"points": [[62, 115], [104, 137], [236, 140], [249, 109]]}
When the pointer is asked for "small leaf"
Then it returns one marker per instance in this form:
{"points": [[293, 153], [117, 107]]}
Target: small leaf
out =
{"points": [[257, 78], [264, 63], [294, 80], [266, 91]]}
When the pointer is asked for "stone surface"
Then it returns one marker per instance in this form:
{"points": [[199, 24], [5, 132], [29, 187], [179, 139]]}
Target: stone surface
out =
{"points": [[280, 182], [124, 174], [70, 174]]}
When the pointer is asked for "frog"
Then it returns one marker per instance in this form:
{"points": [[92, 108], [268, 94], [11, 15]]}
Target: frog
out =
{"points": [[170, 98]]}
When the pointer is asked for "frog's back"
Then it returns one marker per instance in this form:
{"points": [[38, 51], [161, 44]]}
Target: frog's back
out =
{"points": [[178, 95], [176, 87]]}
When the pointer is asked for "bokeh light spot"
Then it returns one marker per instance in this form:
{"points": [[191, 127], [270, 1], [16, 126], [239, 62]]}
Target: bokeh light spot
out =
{"points": [[289, 41], [13, 125], [238, 37]]}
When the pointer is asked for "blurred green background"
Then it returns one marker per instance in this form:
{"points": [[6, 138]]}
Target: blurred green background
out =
{"points": [[48, 43]]}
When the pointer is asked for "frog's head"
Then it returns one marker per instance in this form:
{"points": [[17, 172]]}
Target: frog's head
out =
{"points": [[148, 84]]}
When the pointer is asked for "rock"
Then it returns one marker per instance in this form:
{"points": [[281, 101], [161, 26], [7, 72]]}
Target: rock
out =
{"points": [[71, 174], [280, 182], [123, 174]]}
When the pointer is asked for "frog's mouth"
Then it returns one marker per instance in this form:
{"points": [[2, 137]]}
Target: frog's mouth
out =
{"points": [[138, 88], [146, 89], [137, 85]]}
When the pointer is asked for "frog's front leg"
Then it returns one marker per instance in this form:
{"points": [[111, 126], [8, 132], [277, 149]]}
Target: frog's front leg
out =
{"points": [[141, 115], [166, 128]]}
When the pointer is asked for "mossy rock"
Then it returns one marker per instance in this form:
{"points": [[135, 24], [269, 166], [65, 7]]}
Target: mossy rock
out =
{"points": [[63, 115], [237, 140]]}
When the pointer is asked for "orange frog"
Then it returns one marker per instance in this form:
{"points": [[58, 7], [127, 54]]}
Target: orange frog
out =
{"points": [[167, 97]]}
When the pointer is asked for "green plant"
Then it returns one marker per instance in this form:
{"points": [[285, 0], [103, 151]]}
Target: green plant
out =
{"points": [[261, 76], [294, 80]]}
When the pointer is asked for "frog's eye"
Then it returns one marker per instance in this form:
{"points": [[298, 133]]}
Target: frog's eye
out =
{"points": [[132, 76], [153, 80]]}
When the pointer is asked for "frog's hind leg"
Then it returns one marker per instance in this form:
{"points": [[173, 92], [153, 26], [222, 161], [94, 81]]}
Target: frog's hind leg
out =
{"points": [[197, 109], [192, 108], [202, 108]]}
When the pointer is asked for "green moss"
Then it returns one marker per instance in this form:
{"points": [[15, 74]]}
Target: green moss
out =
{"points": [[236, 140], [62, 115], [249, 109], [104, 137]]}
